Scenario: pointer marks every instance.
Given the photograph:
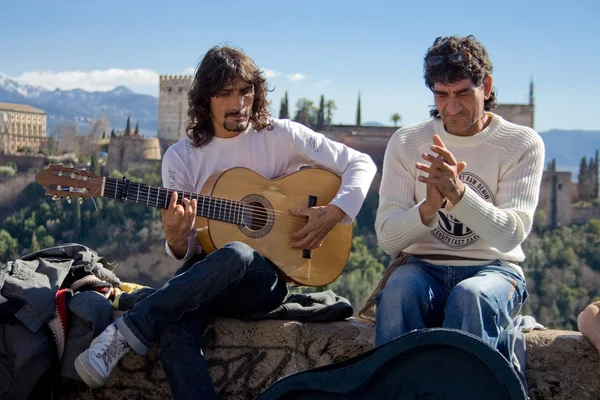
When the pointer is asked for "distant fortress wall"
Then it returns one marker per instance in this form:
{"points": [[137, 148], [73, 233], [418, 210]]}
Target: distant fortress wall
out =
{"points": [[127, 153], [173, 106]]}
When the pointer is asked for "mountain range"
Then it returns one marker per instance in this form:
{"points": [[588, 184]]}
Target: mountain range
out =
{"points": [[81, 106], [77, 105]]}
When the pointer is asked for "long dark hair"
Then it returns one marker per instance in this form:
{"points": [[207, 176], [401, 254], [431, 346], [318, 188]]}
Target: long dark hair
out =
{"points": [[477, 68], [219, 67]]}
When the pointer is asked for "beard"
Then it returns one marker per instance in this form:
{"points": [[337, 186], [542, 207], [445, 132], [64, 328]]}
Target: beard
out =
{"points": [[236, 125]]}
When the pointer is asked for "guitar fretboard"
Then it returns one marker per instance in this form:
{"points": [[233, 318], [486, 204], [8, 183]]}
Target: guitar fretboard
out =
{"points": [[208, 207]]}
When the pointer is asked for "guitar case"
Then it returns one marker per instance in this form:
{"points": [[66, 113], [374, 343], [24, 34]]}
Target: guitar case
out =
{"points": [[428, 364]]}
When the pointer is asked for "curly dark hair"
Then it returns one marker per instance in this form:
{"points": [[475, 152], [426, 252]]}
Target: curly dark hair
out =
{"points": [[477, 68], [219, 67]]}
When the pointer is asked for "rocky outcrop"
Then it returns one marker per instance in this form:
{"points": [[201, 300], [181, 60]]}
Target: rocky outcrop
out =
{"points": [[246, 357], [562, 365]]}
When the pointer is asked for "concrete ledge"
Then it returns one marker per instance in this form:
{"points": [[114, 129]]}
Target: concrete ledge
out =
{"points": [[247, 357]]}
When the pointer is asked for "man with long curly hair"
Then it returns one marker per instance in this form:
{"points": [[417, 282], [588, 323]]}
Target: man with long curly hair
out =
{"points": [[457, 199], [229, 126]]}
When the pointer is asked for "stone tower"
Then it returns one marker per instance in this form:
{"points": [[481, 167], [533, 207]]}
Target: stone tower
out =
{"points": [[555, 197], [173, 107]]}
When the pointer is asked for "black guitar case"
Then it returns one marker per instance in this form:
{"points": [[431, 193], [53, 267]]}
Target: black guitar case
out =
{"points": [[429, 364]]}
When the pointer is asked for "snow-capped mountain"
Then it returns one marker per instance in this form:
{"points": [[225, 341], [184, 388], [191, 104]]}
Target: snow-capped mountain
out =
{"points": [[81, 106]]}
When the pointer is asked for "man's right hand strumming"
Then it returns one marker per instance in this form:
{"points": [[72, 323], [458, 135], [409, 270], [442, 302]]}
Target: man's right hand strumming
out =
{"points": [[178, 221]]}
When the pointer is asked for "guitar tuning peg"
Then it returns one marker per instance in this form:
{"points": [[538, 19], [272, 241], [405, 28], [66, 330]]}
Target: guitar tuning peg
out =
{"points": [[69, 199], [55, 197], [81, 200], [60, 164]]}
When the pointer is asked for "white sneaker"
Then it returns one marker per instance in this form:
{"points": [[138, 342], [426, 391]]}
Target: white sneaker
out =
{"points": [[96, 363]]}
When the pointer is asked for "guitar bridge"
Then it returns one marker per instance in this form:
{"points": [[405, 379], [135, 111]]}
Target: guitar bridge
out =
{"points": [[312, 201]]}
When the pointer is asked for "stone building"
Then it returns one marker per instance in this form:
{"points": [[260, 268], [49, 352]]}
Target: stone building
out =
{"points": [[556, 197], [522, 114], [133, 153], [172, 108], [21, 126]]}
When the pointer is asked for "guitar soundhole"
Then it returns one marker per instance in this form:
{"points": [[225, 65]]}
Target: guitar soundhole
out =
{"points": [[258, 217]]}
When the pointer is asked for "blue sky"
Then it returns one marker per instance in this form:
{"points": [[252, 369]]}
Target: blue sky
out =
{"points": [[335, 48]]}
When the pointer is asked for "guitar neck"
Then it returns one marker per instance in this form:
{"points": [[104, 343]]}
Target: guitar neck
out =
{"points": [[208, 206]]}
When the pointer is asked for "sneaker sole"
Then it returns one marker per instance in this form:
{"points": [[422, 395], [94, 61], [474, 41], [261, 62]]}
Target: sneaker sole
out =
{"points": [[90, 377]]}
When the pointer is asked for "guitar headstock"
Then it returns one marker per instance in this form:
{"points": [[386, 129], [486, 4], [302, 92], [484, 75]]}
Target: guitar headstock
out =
{"points": [[61, 181]]}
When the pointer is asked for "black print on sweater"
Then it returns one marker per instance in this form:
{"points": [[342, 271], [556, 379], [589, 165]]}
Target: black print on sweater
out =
{"points": [[451, 231]]}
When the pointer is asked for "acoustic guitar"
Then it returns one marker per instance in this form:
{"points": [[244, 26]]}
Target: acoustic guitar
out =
{"points": [[235, 205]]}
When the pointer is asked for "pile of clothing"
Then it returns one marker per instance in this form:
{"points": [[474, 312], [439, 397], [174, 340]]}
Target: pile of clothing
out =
{"points": [[53, 302]]}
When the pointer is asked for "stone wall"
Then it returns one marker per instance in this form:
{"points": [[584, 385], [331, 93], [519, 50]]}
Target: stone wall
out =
{"points": [[245, 358], [521, 114], [581, 215], [173, 106], [10, 192], [127, 153], [555, 197], [23, 162]]}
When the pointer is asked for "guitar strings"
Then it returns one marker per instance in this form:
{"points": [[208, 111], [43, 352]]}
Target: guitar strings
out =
{"points": [[221, 208], [215, 209], [113, 185]]}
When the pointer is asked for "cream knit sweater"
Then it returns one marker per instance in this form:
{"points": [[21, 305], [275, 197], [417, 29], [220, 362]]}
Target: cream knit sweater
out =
{"points": [[505, 162]]}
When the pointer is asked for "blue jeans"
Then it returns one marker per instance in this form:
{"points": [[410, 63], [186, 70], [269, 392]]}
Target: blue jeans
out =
{"points": [[230, 282], [481, 300]]}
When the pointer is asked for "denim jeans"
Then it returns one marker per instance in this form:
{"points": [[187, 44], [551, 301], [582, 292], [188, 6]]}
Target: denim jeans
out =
{"points": [[232, 281], [481, 300]]}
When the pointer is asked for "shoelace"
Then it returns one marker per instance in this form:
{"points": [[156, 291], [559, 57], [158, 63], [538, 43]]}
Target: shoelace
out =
{"points": [[112, 348]]}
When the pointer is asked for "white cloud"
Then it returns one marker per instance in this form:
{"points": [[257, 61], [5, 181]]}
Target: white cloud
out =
{"points": [[297, 77], [271, 73], [322, 83], [189, 71], [97, 80]]}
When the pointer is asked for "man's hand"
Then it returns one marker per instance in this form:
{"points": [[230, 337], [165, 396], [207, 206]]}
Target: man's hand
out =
{"points": [[443, 171], [433, 202], [178, 221], [320, 221]]}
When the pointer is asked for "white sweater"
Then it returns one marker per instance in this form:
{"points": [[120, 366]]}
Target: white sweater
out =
{"points": [[271, 153], [505, 162]]}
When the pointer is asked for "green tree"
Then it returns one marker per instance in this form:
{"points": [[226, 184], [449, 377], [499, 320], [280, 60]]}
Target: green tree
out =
{"points": [[9, 246], [358, 112], [321, 114], [128, 127], [76, 219], [595, 176], [35, 246], [94, 165], [540, 219], [395, 117], [52, 144], [284, 112], [584, 179], [329, 108], [136, 132], [305, 112], [112, 133]]}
